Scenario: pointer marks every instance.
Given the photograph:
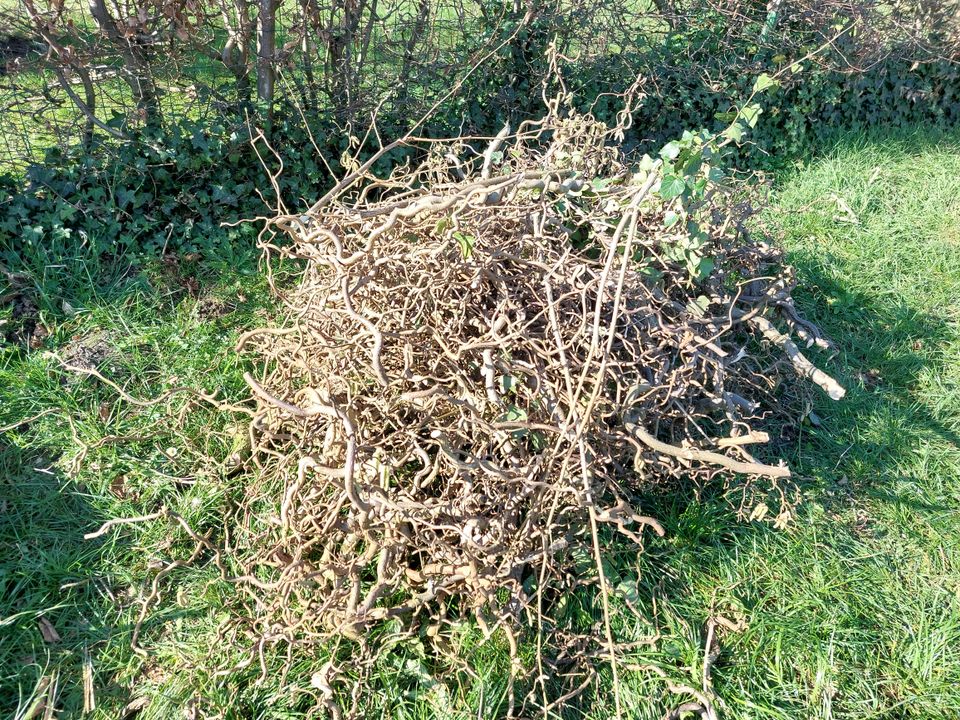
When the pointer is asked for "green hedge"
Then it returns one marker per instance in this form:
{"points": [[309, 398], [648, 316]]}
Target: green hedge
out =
{"points": [[172, 191]]}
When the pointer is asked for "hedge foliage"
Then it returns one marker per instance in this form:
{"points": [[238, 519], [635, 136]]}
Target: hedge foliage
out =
{"points": [[173, 187]]}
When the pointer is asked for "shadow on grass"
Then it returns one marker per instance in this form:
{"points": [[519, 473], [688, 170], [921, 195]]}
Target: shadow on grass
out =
{"points": [[140, 324], [68, 605], [858, 443], [883, 349], [57, 601], [825, 595]]}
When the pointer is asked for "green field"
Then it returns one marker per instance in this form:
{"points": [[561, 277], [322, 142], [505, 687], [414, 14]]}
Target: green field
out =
{"points": [[849, 609]]}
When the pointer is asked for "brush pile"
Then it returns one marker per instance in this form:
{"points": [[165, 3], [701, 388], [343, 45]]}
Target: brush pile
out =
{"points": [[487, 356]]}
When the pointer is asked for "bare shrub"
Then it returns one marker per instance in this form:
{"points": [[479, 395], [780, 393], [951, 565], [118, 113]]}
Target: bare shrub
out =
{"points": [[488, 355]]}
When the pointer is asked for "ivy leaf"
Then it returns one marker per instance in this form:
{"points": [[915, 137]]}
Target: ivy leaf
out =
{"points": [[705, 267], [518, 415], [672, 186], [514, 414], [627, 589], [696, 236], [670, 219], [646, 164], [538, 441], [693, 166], [764, 82], [125, 197], [508, 383], [751, 113], [699, 306], [670, 150], [651, 273], [466, 243], [735, 132]]}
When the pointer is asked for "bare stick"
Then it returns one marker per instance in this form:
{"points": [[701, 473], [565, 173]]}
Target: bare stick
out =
{"points": [[124, 521], [211, 399], [804, 367], [18, 423], [755, 436], [491, 149], [704, 456]]}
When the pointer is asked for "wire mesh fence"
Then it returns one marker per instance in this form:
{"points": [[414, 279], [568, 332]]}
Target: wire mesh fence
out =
{"points": [[73, 71], [38, 113]]}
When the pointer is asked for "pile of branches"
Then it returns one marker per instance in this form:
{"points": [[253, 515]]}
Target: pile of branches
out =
{"points": [[488, 355]]}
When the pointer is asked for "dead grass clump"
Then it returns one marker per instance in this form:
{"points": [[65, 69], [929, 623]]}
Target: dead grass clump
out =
{"points": [[485, 358]]}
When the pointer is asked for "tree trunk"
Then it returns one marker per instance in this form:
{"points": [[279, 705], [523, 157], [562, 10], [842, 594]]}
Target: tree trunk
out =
{"points": [[266, 51], [310, 96], [137, 66], [409, 50], [87, 106], [241, 29]]}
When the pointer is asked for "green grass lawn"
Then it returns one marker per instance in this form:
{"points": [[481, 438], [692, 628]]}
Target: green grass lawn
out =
{"points": [[852, 610]]}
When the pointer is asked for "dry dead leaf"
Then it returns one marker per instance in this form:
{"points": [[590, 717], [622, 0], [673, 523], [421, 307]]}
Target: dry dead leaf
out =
{"points": [[134, 706], [118, 486], [43, 706], [783, 520], [737, 625], [49, 632]]}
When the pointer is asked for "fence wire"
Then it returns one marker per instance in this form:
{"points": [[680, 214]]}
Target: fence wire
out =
{"points": [[65, 76]]}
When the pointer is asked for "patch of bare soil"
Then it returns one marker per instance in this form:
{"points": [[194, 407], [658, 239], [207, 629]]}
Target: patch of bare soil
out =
{"points": [[24, 327], [213, 308], [87, 352]]}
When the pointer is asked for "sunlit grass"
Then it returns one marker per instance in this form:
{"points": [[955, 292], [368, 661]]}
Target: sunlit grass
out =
{"points": [[854, 609]]}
